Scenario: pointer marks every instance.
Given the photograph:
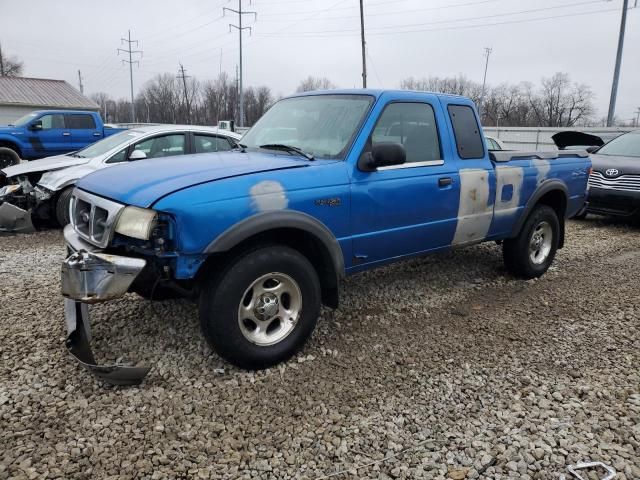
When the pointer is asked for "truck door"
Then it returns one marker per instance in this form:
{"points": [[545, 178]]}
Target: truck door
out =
{"points": [[477, 174], [410, 208], [48, 135], [83, 129]]}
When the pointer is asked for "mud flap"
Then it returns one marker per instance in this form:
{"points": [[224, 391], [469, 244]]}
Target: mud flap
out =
{"points": [[14, 219], [78, 344]]}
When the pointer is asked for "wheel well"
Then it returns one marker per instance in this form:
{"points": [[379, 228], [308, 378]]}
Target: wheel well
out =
{"points": [[557, 200], [12, 146], [302, 241]]}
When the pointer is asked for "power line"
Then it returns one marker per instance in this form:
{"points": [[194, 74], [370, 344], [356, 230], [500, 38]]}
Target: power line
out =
{"points": [[131, 52], [182, 75], [240, 29], [457, 20], [346, 33]]}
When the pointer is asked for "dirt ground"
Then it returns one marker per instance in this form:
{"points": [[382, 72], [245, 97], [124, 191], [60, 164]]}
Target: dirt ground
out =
{"points": [[441, 367]]}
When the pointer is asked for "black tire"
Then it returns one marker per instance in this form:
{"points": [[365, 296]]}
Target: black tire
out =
{"points": [[222, 295], [8, 157], [517, 252], [62, 207]]}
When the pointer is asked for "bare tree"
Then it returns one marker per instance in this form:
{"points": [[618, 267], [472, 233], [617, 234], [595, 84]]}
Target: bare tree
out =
{"points": [[557, 103], [10, 66], [315, 83]]}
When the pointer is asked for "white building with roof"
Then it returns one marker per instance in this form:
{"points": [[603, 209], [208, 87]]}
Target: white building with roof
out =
{"points": [[21, 95]]}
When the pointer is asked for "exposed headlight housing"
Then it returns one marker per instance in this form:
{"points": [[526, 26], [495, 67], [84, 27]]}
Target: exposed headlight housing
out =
{"points": [[137, 222], [9, 189]]}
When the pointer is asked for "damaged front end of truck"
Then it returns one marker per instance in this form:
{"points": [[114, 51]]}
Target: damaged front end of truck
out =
{"points": [[22, 203]]}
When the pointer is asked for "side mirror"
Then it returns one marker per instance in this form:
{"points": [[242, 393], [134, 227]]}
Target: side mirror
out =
{"points": [[592, 149], [37, 125], [137, 155], [382, 155]]}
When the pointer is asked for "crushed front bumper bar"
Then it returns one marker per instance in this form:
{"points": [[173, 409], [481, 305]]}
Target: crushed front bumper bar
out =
{"points": [[15, 219], [92, 277]]}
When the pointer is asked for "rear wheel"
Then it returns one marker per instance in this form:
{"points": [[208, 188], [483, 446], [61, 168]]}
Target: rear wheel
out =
{"points": [[8, 157], [62, 207], [531, 253], [261, 310]]}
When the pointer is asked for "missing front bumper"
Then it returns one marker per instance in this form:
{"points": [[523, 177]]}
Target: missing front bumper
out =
{"points": [[15, 219], [89, 277]]}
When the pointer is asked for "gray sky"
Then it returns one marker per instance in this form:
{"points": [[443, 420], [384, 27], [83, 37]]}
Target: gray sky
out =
{"points": [[295, 38]]}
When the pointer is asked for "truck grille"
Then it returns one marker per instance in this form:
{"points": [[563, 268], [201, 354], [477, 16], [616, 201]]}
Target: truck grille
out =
{"points": [[93, 217], [625, 183]]}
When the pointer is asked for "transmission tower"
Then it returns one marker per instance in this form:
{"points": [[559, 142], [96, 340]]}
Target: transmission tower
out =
{"points": [[240, 29], [131, 61], [182, 74]]}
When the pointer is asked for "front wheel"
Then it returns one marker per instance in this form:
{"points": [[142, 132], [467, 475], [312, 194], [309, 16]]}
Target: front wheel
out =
{"points": [[62, 207], [531, 253], [8, 157], [262, 308]]}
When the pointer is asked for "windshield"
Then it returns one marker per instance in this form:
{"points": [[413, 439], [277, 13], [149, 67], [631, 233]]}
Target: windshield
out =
{"points": [[320, 125], [109, 143], [627, 145], [22, 121]]}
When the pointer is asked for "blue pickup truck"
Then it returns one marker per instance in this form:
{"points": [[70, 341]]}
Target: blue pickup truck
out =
{"points": [[45, 133], [326, 184]]}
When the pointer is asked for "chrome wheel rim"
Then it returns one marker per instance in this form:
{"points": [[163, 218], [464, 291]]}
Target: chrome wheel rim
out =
{"points": [[270, 309], [540, 243]]}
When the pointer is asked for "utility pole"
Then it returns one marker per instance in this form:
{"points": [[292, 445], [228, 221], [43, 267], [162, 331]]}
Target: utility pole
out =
{"points": [[240, 28], [80, 82], [131, 61], [637, 117], [183, 76], [616, 72], [1, 62], [364, 46], [487, 52]]}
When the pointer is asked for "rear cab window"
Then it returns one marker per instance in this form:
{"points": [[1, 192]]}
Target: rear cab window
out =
{"points": [[466, 131], [80, 121]]}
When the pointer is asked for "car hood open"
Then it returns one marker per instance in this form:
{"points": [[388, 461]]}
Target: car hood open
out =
{"points": [[144, 182], [44, 165], [572, 139]]}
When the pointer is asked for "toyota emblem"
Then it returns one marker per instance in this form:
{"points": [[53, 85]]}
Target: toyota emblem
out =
{"points": [[611, 172]]}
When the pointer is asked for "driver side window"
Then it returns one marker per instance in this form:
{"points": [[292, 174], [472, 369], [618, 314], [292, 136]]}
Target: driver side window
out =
{"points": [[50, 122], [163, 146], [412, 125]]}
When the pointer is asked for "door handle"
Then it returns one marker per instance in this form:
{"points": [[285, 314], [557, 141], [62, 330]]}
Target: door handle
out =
{"points": [[66, 134], [445, 181], [96, 134]]}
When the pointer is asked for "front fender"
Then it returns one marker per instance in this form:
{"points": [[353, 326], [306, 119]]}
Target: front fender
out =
{"points": [[263, 222], [13, 141]]}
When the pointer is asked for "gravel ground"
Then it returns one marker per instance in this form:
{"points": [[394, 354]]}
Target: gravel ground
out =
{"points": [[440, 367]]}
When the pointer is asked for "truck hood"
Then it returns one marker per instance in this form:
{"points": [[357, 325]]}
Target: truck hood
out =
{"points": [[144, 182], [44, 165], [624, 165]]}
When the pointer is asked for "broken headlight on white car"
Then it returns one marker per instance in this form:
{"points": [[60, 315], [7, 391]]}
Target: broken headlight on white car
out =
{"points": [[9, 189], [137, 222]]}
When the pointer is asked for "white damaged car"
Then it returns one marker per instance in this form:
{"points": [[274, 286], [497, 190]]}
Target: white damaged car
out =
{"points": [[38, 192]]}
